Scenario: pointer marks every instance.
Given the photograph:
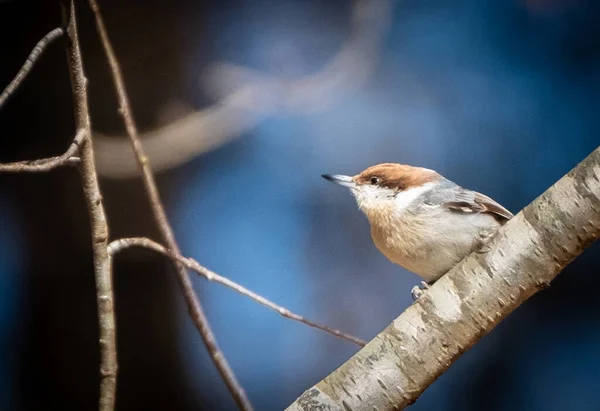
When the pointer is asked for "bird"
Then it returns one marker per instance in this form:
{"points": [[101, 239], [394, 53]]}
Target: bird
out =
{"points": [[420, 220]]}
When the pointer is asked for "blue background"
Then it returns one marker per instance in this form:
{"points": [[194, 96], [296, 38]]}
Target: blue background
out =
{"points": [[499, 96]]}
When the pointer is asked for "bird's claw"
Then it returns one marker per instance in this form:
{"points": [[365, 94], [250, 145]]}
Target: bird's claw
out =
{"points": [[417, 291], [484, 249], [482, 246]]}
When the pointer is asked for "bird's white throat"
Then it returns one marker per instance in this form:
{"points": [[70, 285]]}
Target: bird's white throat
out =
{"points": [[375, 201]]}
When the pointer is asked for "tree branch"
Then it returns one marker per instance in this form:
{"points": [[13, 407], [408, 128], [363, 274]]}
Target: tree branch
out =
{"points": [[124, 243], [27, 66], [465, 304], [99, 226], [46, 164], [194, 307]]}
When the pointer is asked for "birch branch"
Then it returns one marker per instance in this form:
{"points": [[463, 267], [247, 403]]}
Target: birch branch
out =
{"points": [[194, 306], [464, 305], [125, 243], [98, 224], [28, 65]]}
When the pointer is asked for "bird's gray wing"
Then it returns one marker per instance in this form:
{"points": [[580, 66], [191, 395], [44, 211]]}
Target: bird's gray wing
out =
{"points": [[468, 201]]}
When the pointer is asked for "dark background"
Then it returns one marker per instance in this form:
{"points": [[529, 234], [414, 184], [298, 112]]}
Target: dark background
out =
{"points": [[501, 96]]}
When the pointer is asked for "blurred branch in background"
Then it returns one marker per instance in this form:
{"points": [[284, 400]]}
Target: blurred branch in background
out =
{"points": [[247, 97], [125, 243], [392, 371]]}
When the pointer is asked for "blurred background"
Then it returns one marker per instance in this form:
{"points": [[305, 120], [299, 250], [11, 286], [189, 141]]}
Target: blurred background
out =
{"points": [[245, 103]]}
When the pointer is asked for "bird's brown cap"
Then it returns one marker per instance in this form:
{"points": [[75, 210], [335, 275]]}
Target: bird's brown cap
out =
{"points": [[395, 176]]}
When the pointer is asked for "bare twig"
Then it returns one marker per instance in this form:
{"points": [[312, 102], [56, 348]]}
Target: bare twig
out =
{"points": [[469, 301], [99, 226], [46, 164], [124, 243], [31, 59], [195, 308]]}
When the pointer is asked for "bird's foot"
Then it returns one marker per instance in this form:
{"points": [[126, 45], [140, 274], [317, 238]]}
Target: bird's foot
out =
{"points": [[481, 242], [418, 290], [484, 249]]}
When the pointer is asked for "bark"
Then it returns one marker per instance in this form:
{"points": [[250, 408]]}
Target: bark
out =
{"points": [[465, 304]]}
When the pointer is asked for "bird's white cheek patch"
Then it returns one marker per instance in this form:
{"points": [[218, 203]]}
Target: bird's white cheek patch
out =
{"points": [[447, 304], [405, 198]]}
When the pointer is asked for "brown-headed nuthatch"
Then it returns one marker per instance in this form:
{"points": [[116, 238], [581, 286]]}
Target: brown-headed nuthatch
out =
{"points": [[421, 220]]}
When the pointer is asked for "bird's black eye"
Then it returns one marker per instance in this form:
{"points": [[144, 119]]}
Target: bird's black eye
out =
{"points": [[374, 181]]}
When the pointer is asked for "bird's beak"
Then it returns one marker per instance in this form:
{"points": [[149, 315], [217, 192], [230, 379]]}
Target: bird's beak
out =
{"points": [[342, 180]]}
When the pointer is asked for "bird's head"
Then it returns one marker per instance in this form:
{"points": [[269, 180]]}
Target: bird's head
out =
{"points": [[386, 188]]}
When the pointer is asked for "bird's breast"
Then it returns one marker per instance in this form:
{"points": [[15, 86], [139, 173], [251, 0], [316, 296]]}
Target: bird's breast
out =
{"points": [[429, 243]]}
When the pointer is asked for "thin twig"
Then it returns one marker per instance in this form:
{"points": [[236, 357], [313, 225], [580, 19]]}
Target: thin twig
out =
{"points": [[31, 59], [46, 164], [98, 224], [195, 308], [124, 243]]}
